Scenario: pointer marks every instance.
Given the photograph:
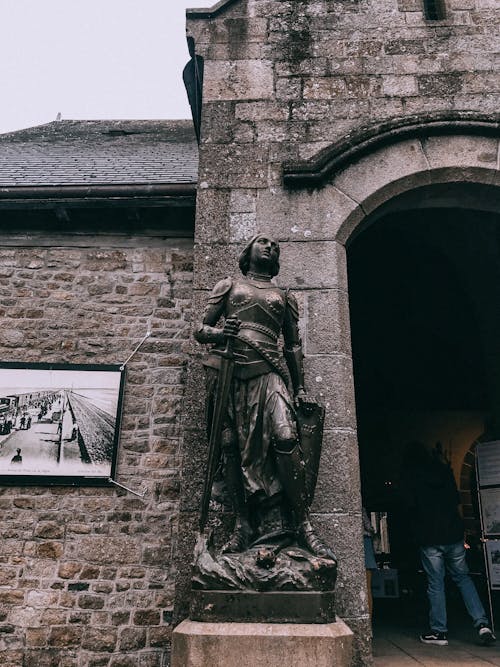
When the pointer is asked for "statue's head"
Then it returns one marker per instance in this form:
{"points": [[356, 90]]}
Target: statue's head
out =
{"points": [[247, 256]]}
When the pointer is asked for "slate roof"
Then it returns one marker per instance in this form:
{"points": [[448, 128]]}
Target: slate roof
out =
{"points": [[101, 152]]}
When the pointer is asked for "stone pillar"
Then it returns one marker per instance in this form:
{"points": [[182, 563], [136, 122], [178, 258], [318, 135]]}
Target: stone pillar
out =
{"points": [[255, 119]]}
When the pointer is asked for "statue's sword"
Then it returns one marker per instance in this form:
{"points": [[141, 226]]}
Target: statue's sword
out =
{"points": [[220, 405]]}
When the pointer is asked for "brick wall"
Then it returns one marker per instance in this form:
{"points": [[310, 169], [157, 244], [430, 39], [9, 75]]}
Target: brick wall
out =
{"points": [[86, 574]]}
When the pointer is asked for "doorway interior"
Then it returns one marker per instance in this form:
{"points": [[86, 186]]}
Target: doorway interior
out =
{"points": [[424, 292]]}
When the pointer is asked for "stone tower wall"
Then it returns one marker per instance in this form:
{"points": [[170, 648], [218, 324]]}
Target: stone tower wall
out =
{"points": [[283, 80]]}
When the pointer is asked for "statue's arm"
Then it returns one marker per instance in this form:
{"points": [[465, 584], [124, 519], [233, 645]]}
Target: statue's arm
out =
{"points": [[208, 331], [293, 345]]}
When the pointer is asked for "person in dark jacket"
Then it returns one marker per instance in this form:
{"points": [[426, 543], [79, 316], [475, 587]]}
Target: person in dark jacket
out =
{"points": [[430, 492]]}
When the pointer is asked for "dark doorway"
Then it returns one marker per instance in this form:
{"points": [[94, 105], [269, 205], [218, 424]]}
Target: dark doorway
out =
{"points": [[424, 294]]}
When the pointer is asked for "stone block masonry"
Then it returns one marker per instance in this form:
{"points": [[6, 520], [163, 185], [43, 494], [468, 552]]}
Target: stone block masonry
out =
{"points": [[284, 80], [87, 574]]}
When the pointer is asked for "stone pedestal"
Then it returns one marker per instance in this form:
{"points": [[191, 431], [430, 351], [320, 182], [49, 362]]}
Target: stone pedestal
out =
{"points": [[261, 645], [304, 607]]}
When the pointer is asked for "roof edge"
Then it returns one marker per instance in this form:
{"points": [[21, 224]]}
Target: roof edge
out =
{"points": [[97, 191], [73, 128], [210, 12]]}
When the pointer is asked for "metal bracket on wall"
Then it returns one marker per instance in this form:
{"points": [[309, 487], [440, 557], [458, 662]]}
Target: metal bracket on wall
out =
{"points": [[148, 334], [142, 493], [136, 493]]}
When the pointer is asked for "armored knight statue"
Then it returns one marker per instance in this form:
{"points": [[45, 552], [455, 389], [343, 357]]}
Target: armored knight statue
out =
{"points": [[251, 413]]}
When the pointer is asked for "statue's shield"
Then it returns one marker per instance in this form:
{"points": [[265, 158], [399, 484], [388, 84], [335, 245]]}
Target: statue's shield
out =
{"points": [[310, 422]]}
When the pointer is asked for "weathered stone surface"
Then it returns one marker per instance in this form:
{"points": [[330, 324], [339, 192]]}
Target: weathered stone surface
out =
{"points": [[65, 636], [12, 597], [329, 379], [312, 265], [100, 639], [343, 532], [49, 530], [160, 636], [338, 473], [328, 326], [132, 639], [260, 644], [146, 617], [196, 452], [364, 179], [186, 539], [212, 204], [397, 86], [463, 154], [238, 80], [308, 216], [90, 602], [214, 262], [7, 575], [106, 550], [361, 626], [59, 574], [239, 172]]}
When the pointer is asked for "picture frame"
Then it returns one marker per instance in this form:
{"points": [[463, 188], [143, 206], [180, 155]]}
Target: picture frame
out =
{"points": [[493, 563], [59, 423], [488, 463], [490, 511]]}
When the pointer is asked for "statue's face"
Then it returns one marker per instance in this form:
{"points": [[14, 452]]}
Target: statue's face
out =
{"points": [[264, 251]]}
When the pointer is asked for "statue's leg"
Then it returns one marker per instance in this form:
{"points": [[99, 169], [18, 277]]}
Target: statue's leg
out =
{"points": [[233, 479], [291, 472]]}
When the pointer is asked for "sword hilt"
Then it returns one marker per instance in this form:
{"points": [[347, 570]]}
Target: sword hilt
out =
{"points": [[228, 352]]}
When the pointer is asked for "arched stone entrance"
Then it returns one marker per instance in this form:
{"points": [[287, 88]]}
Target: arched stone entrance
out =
{"points": [[441, 168]]}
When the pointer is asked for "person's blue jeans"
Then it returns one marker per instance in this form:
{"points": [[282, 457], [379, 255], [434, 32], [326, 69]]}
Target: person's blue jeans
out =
{"points": [[437, 560]]}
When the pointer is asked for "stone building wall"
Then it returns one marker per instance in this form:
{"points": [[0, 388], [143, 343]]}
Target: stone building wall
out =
{"points": [[284, 80], [293, 77], [87, 574]]}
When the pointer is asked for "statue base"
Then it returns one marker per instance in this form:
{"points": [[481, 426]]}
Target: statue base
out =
{"points": [[261, 645], [276, 565], [260, 607]]}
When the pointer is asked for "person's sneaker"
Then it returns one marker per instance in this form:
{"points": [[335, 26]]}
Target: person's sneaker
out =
{"points": [[485, 634], [433, 637]]}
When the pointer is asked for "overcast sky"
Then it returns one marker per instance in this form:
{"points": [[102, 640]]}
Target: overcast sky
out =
{"points": [[92, 59]]}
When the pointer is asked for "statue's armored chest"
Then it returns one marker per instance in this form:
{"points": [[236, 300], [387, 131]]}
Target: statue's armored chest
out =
{"points": [[258, 304]]}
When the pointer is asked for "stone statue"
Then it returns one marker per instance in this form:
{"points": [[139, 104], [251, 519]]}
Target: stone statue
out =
{"points": [[261, 438]]}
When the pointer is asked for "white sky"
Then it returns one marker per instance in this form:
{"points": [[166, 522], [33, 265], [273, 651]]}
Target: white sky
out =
{"points": [[92, 59], [18, 381]]}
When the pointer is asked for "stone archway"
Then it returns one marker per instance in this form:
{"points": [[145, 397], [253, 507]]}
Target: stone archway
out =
{"points": [[329, 200], [357, 175], [447, 166]]}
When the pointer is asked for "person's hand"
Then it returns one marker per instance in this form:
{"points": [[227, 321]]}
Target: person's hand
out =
{"points": [[231, 326], [466, 545]]}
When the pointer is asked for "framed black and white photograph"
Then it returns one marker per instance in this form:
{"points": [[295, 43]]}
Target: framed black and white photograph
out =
{"points": [[59, 423], [490, 510], [488, 463], [493, 560]]}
